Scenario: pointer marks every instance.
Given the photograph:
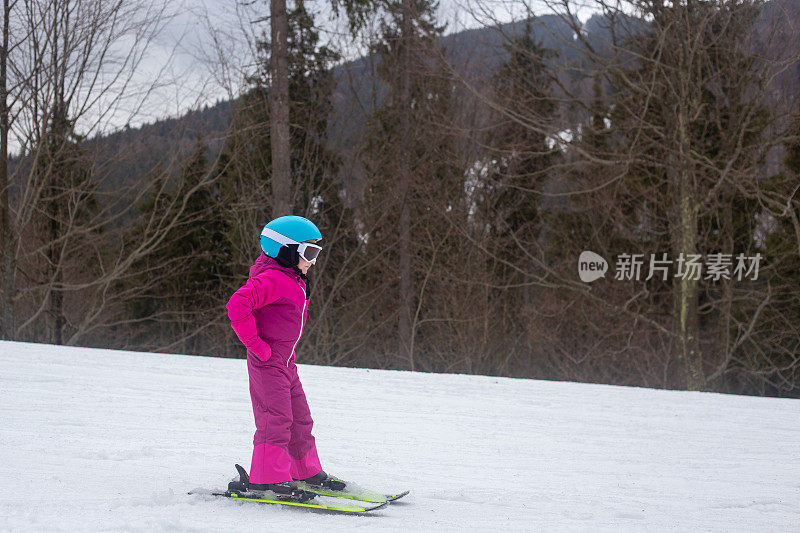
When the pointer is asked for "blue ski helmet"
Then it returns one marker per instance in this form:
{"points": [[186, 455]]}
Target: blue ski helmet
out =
{"points": [[295, 228]]}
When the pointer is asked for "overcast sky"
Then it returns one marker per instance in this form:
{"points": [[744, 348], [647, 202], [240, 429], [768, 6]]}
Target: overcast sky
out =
{"points": [[201, 53], [205, 44]]}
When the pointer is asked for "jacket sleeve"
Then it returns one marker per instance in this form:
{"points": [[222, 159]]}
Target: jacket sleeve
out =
{"points": [[256, 293]]}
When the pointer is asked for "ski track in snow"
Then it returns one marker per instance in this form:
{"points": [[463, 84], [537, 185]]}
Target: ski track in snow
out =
{"points": [[101, 440]]}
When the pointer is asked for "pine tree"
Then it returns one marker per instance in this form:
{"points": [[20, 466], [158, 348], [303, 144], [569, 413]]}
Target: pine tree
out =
{"points": [[414, 186], [774, 369], [245, 169], [185, 272], [520, 157], [65, 221], [523, 155]]}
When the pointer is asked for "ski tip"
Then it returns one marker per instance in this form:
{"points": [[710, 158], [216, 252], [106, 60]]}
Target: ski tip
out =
{"points": [[396, 497], [376, 507]]}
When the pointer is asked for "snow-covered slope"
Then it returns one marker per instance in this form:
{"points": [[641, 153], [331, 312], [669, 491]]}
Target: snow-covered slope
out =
{"points": [[107, 440]]}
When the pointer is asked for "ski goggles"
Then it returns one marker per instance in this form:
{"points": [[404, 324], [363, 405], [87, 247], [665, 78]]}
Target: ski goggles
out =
{"points": [[307, 250]]}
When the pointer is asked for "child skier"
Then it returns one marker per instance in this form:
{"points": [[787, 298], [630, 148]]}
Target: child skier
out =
{"points": [[268, 315]]}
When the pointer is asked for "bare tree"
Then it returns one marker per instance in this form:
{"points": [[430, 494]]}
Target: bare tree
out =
{"points": [[76, 66], [6, 234], [279, 109], [685, 136]]}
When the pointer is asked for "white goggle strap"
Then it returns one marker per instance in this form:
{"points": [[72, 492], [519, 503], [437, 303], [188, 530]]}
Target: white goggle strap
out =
{"points": [[286, 241]]}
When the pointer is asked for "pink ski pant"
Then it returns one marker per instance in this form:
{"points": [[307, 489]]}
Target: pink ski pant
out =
{"points": [[283, 446]]}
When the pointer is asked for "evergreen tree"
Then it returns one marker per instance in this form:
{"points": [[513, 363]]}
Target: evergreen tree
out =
{"points": [[522, 153], [246, 164], [245, 169], [774, 368], [66, 217], [415, 188], [184, 273]]}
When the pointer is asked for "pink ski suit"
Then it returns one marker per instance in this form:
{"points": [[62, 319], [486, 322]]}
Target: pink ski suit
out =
{"points": [[268, 315]]}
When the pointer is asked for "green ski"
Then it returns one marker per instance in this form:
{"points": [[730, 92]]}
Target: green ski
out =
{"points": [[352, 493], [269, 497], [238, 490]]}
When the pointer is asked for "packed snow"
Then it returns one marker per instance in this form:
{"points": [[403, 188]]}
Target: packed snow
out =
{"points": [[107, 440]]}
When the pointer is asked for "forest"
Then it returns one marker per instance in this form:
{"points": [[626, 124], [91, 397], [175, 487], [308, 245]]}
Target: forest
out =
{"points": [[601, 191]]}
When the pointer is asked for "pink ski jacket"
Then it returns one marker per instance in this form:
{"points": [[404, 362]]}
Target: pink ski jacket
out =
{"points": [[270, 311]]}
